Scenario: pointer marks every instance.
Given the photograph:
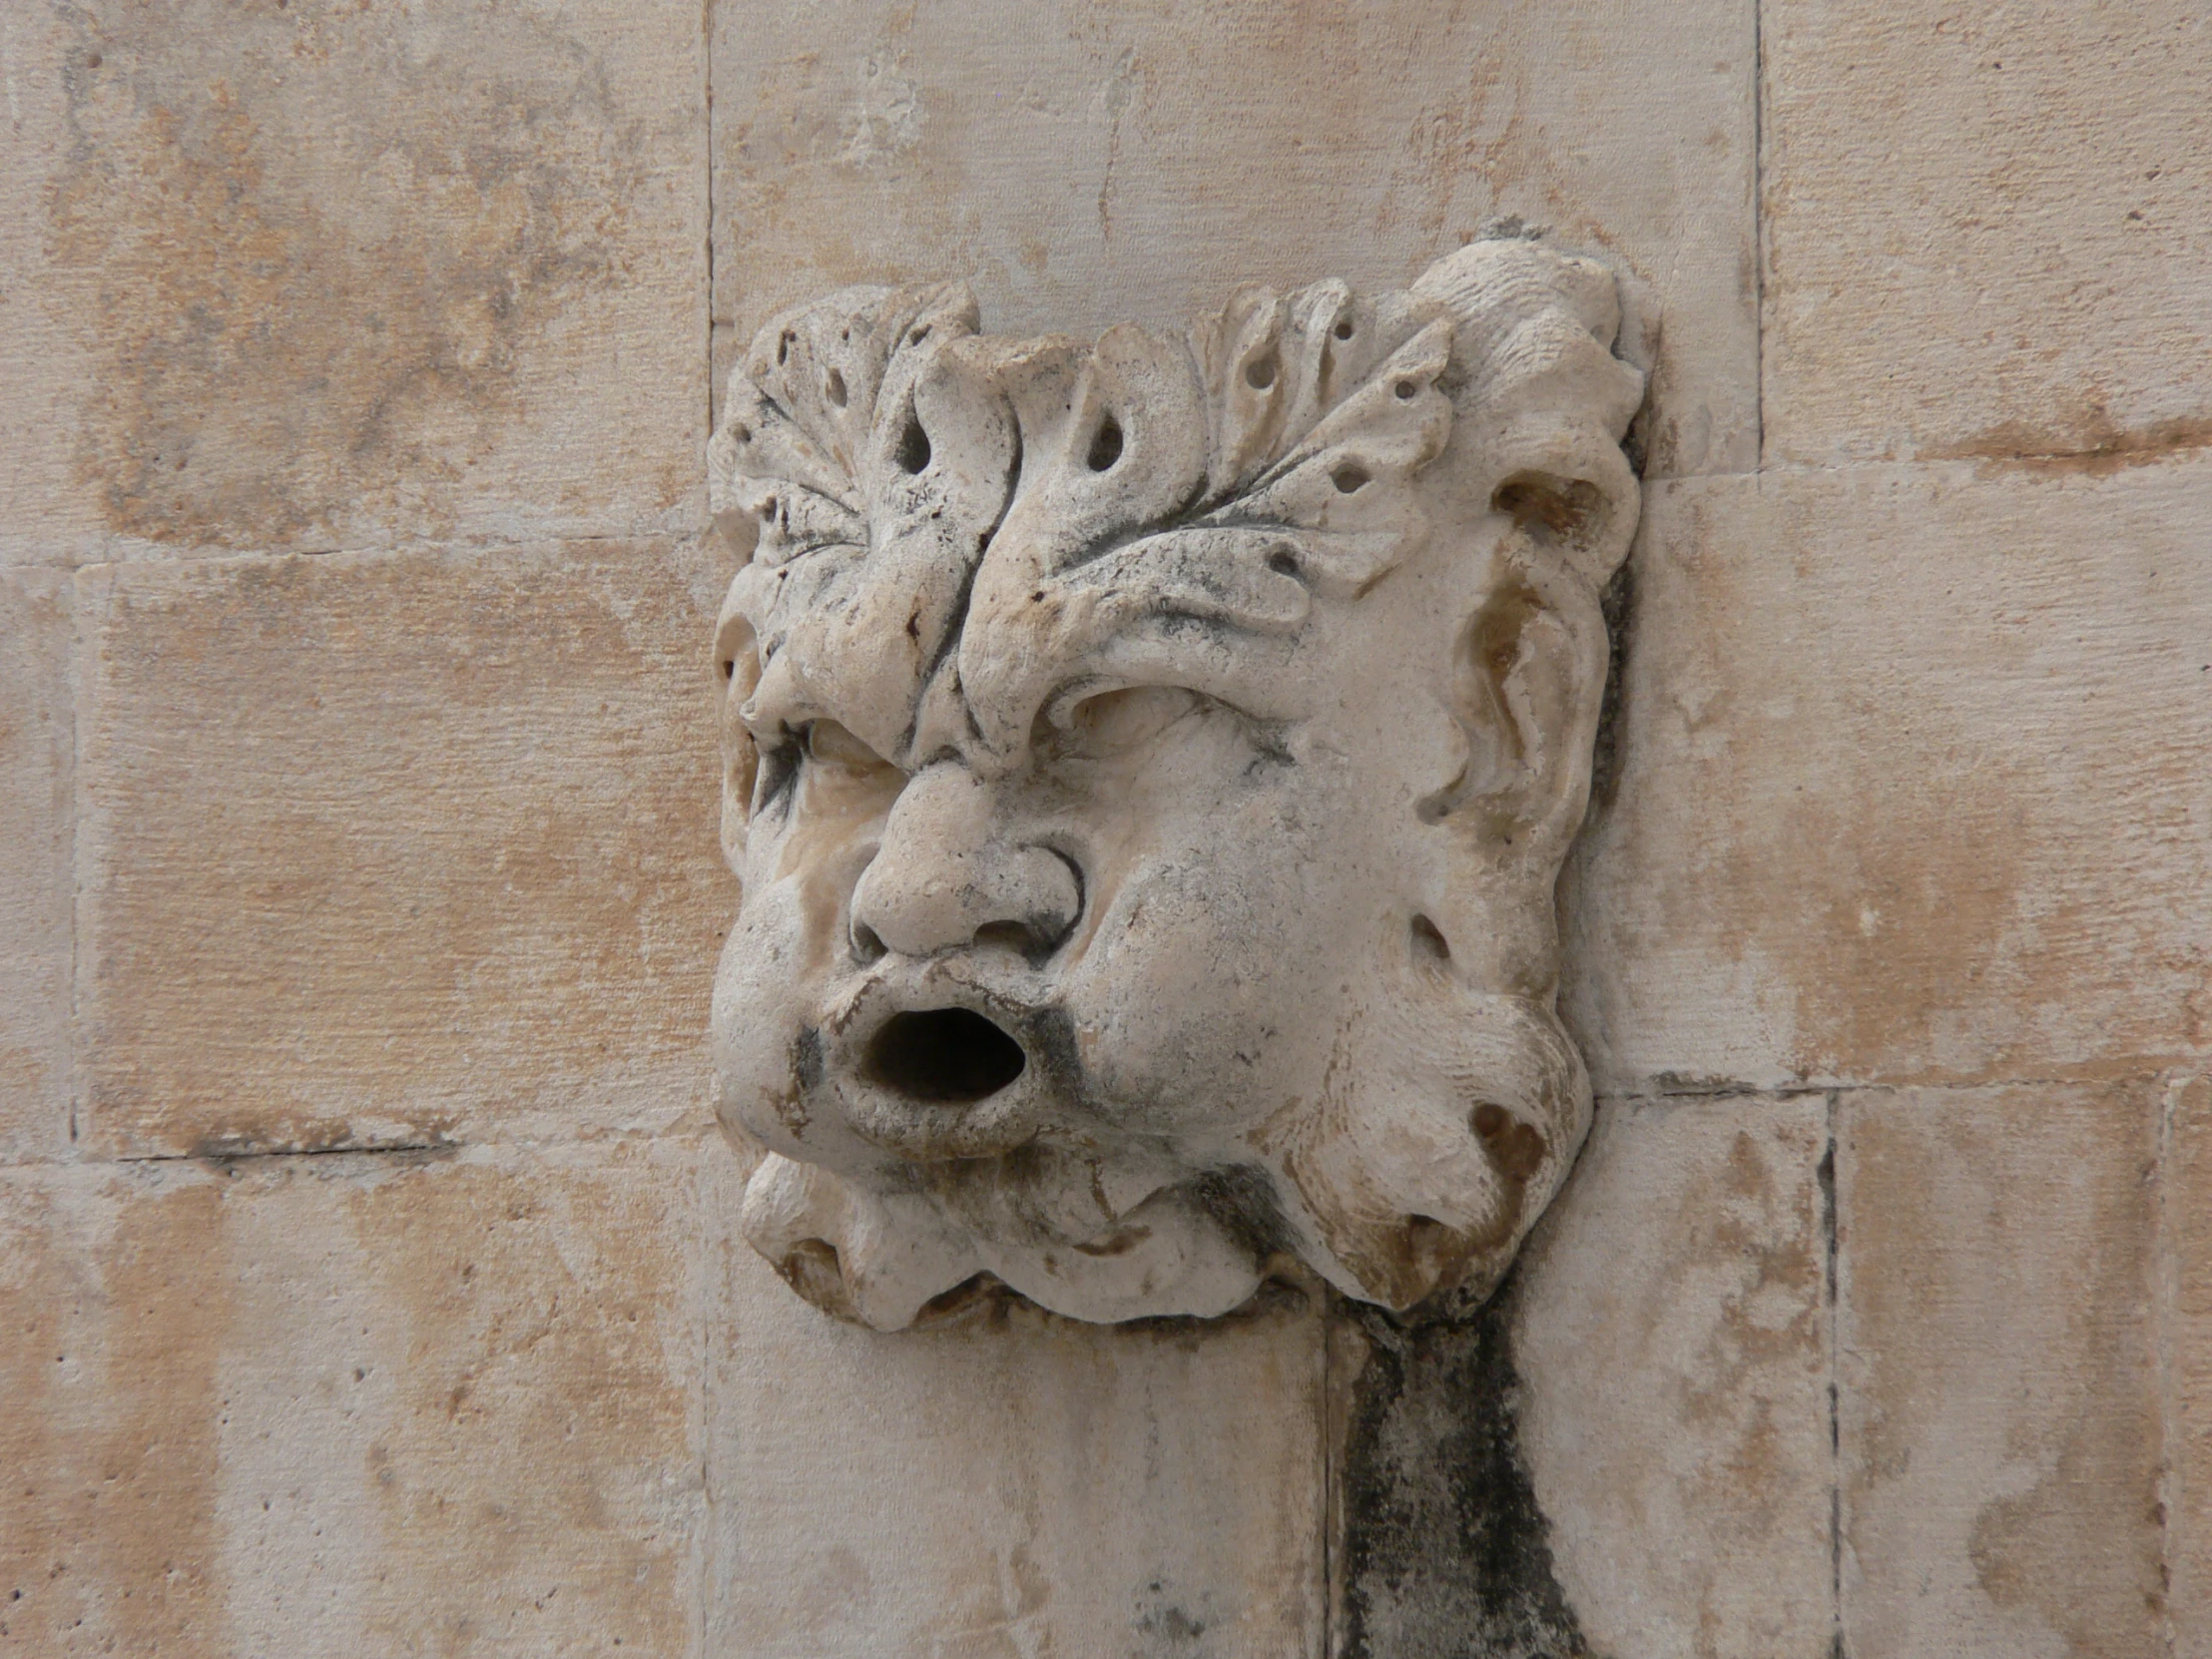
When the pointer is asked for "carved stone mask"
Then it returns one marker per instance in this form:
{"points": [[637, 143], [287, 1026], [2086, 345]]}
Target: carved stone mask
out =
{"points": [[1148, 765]]}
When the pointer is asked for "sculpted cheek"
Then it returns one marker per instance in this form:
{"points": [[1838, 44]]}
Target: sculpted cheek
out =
{"points": [[757, 1019], [1197, 1002]]}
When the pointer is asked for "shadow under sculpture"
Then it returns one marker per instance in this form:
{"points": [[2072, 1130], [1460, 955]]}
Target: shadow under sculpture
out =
{"points": [[1149, 763]]}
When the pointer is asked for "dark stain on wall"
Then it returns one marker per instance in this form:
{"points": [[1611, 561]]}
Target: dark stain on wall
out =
{"points": [[1441, 1551], [1618, 603]]}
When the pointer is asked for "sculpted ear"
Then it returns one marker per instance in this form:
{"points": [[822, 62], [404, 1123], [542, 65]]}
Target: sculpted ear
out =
{"points": [[1530, 666], [1541, 405]]}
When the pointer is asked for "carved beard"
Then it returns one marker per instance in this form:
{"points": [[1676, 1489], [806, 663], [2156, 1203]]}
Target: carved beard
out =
{"points": [[1444, 1122]]}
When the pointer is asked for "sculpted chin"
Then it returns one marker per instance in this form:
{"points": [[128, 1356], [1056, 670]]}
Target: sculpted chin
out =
{"points": [[1147, 762]]}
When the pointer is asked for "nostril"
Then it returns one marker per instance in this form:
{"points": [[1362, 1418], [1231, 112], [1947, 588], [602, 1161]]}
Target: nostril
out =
{"points": [[954, 1055], [1009, 936], [866, 946]]}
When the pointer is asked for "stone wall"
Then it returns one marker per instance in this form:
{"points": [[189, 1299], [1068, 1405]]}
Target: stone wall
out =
{"points": [[368, 1272]]}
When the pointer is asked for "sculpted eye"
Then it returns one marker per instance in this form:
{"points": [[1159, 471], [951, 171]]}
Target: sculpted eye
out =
{"points": [[830, 745], [1116, 722]]}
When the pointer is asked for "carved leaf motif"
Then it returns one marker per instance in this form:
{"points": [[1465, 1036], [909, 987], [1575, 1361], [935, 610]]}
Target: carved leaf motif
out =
{"points": [[800, 452]]}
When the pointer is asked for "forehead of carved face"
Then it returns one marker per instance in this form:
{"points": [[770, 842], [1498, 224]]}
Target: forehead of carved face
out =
{"points": [[1126, 749]]}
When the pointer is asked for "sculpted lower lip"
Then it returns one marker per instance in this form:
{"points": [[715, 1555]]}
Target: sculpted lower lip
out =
{"points": [[936, 1065]]}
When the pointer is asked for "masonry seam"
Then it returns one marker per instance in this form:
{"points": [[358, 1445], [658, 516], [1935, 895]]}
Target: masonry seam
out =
{"points": [[2165, 1328], [78, 678], [1722, 1090], [1982, 466], [1759, 232], [1831, 1229], [1330, 1448], [707, 1551], [1676, 1097]]}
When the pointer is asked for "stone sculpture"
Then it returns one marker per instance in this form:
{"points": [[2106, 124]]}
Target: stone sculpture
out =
{"points": [[1148, 765]]}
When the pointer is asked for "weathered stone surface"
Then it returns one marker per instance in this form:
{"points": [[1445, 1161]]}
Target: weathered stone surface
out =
{"points": [[347, 1406], [397, 848], [1088, 163], [1670, 1333], [1989, 230], [1908, 783], [2000, 1397], [1149, 766], [1437, 1542], [37, 754], [315, 274], [1023, 1486], [2185, 1271], [112, 1320]]}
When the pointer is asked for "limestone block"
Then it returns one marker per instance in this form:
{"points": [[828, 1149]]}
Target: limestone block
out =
{"points": [[2185, 1269], [1023, 1486], [1989, 229], [1087, 163], [37, 754], [394, 849], [350, 1405], [312, 275], [1909, 783], [1672, 1339], [2000, 1429]]}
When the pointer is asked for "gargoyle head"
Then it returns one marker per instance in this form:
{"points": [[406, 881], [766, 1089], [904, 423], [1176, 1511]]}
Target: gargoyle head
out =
{"points": [[1148, 765]]}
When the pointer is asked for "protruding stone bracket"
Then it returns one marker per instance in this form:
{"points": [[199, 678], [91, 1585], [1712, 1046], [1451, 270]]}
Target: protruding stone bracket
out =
{"points": [[1148, 762]]}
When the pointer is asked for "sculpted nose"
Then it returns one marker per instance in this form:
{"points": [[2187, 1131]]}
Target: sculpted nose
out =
{"points": [[947, 876]]}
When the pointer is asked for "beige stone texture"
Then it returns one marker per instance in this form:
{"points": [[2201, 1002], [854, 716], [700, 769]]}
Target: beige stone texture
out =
{"points": [[1901, 845], [319, 275], [2185, 1273], [1021, 1487], [1672, 1332], [1989, 230], [2000, 1399], [342, 1406], [1091, 162], [396, 849], [1911, 782], [37, 761]]}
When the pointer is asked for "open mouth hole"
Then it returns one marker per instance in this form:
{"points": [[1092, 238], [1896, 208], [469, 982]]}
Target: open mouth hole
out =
{"points": [[943, 1054]]}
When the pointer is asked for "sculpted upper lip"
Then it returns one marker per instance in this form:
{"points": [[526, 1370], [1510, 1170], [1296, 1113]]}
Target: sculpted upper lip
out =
{"points": [[1002, 993]]}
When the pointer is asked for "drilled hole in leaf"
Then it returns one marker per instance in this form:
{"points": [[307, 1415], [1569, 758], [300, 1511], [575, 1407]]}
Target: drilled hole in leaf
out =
{"points": [[1406, 390], [1342, 330], [913, 446], [1282, 562], [1105, 445], [742, 434], [1260, 373], [833, 388], [1348, 477], [1428, 941]]}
